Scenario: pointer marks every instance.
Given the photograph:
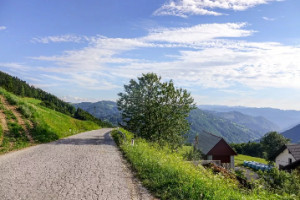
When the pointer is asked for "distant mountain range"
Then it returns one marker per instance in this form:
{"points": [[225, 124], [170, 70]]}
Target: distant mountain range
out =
{"points": [[231, 131], [258, 124], [233, 126], [293, 134], [104, 110], [285, 119]]}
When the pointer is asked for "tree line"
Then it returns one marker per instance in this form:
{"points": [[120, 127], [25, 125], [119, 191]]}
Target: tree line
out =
{"points": [[266, 148]]}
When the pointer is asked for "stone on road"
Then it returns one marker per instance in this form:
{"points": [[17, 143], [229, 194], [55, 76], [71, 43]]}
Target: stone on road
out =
{"points": [[83, 166]]}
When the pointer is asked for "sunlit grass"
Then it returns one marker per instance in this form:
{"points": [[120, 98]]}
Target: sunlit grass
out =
{"points": [[168, 176], [47, 124], [239, 159]]}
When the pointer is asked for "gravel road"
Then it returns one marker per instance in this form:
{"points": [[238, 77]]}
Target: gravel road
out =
{"points": [[83, 166]]}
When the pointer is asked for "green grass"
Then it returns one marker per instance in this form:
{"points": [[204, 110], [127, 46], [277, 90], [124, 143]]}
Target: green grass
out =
{"points": [[239, 159], [168, 176], [48, 125]]}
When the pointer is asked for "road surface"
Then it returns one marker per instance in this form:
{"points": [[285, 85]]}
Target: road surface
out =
{"points": [[83, 166]]}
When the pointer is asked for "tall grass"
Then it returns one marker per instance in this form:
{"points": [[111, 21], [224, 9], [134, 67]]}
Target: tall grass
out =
{"points": [[169, 176]]}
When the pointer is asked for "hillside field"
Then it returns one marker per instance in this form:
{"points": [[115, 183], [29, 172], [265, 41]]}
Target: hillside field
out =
{"points": [[25, 122]]}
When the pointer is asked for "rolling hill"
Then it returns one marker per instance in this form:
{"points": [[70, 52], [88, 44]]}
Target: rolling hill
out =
{"points": [[104, 110], [232, 132], [293, 134], [285, 119], [258, 124], [25, 122], [200, 120], [29, 116]]}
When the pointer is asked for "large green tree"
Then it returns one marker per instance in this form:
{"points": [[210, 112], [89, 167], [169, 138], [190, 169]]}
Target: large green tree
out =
{"points": [[156, 110], [272, 142]]}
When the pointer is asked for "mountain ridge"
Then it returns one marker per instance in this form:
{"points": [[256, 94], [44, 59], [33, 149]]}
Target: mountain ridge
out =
{"points": [[283, 118], [107, 111]]}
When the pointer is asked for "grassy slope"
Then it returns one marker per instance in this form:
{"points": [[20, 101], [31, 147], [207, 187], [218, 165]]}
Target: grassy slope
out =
{"points": [[239, 159], [169, 176], [48, 125]]}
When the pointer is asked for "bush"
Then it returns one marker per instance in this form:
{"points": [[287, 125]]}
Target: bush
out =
{"points": [[281, 182], [193, 154]]}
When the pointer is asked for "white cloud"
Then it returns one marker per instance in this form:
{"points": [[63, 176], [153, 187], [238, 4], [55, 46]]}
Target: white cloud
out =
{"points": [[58, 39], [268, 18], [199, 33], [210, 59], [2, 28], [184, 8]]}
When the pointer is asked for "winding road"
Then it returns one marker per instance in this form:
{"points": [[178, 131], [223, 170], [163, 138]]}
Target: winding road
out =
{"points": [[83, 166]]}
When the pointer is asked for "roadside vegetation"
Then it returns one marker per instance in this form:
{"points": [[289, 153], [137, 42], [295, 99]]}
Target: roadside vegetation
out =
{"points": [[169, 176], [37, 124]]}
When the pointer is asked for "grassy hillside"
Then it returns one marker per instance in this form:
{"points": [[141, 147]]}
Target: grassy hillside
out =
{"points": [[25, 122], [169, 176]]}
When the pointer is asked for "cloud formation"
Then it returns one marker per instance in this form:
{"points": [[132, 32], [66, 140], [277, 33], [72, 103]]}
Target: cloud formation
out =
{"points": [[2, 28], [208, 56], [184, 8]]}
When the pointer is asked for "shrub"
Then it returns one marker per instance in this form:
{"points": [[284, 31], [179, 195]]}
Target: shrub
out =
{"points": [[281, 182]]}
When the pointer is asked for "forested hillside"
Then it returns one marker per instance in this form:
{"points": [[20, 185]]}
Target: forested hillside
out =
{"points": [[258, 124], [293, 134], [230, 131], [104, 110]]}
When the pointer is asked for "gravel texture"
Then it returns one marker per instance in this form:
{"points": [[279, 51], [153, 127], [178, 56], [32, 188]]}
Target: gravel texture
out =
{"points": [[83, 166]]}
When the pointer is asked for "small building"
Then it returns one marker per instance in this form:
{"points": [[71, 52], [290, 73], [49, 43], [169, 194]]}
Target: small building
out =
{"points": [[215, 148], [287, 155]]}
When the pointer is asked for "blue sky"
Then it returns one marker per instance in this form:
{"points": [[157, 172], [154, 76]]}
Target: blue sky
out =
{"points": [[225, 52]]}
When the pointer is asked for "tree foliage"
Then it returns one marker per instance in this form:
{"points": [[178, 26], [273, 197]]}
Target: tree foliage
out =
{"points": [[272, 142], [250, 148], [156, 110]]}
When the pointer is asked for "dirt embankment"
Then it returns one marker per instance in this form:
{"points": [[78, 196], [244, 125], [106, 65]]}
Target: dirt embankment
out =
{"points": [[19, 119]]}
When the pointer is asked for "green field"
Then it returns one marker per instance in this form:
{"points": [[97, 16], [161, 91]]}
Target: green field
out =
{"points": [[239, 159], [47, 125]]}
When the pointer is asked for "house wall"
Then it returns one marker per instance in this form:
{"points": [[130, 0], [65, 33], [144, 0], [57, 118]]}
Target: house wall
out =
{"points": [[283, 158], [223, 159]]}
